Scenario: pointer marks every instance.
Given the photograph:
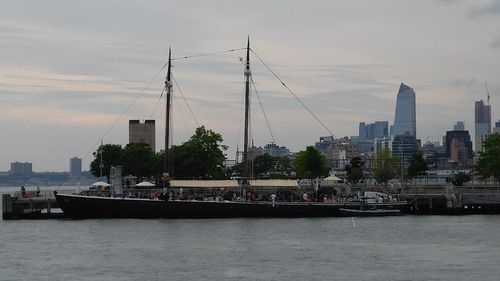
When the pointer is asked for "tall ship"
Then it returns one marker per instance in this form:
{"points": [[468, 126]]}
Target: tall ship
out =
{"points": [[80, 206]]}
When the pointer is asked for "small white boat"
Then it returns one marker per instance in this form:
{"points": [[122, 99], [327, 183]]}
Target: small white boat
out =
{"points": [[368, 212]]}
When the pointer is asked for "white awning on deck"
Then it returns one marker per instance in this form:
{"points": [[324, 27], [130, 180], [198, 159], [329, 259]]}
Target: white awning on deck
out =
{"points": [[274, 183], [332, 178], [204, 183]]}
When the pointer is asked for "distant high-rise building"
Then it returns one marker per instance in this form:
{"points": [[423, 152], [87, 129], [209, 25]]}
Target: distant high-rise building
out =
{"points": [[341, 153], [371, 131], [75, 167], [404, 131], [324, 144], [276, 151], [405, 117], [482, 123], [458, 147], [21, 169], [142, 132], [497, 127], [362, 135], [404, 147], [460, 126], [378, 129], [381, 144]]}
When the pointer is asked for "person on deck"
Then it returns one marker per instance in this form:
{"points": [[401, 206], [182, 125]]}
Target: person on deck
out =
{"points": [[273, 198]]}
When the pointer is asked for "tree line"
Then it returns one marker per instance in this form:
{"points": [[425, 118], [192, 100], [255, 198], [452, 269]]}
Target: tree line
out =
{"points": [[202, 156]]}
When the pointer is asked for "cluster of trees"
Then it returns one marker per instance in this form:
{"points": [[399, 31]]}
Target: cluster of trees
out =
{"points": [[386, 167], [202, 156], [488, 164], [267, 166]]}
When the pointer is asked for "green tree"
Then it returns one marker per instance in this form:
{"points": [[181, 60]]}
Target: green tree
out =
{"points": [[139, 160], [310, 164], [354, 170], [460, 178], [111, 156], [417, 165], [283, 167], [201, 156], [263, 164], [386, 165], [488, 163]]}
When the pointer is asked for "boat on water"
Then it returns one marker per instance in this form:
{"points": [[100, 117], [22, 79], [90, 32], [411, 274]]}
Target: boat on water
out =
{"points": [[373, 204], [80, 207], [345, 212], [116, 205]]}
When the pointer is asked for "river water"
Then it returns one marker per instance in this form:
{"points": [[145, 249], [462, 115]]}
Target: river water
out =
{"points": [[388, 248]]}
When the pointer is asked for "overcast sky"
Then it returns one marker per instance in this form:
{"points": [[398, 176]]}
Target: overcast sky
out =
{"points": [[68, 69]]}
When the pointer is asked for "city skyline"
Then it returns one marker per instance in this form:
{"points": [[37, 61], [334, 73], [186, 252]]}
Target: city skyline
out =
{"points": [[68, 71]]}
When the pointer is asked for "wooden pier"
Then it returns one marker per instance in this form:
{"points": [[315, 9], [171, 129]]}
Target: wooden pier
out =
{"points": [[449, 200], [30, 205]]}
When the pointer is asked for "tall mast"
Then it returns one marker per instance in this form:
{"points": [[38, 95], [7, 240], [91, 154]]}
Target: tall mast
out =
{"points": [[168, 87], [246, 164], [101, 165]]}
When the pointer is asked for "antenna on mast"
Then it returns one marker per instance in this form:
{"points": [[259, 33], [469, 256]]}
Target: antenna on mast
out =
{"points": [[101, 165], [487, 91]]}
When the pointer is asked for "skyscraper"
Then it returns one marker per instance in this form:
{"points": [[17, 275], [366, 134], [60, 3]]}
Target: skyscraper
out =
{"points": [[482, 123], [404, 131], [405, 117]]}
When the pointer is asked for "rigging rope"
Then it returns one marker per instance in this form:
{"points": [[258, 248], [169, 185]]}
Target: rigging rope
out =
{"points": [[177, 104], [125, 111], [263, 111], [293, 94], [157, 102], [208, 54], [186, 102]]}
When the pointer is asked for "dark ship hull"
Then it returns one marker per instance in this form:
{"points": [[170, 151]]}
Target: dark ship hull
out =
{"points": [[81, 207]]}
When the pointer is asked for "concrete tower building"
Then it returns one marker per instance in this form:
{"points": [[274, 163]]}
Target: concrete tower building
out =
{"points": [[21, 169], [142, 132], [482, 123], [75, 167]]}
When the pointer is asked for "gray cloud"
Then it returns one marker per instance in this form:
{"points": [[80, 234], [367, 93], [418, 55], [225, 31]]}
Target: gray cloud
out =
{"points": [[493, 8], [496, 44], [89, 60], [448, 1], [467, 83]]}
